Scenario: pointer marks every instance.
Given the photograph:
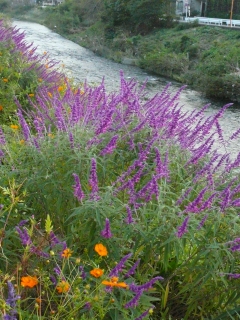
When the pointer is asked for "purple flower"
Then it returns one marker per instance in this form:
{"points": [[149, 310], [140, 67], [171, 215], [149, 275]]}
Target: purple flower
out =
{"points": [[39, 252], [24, 125], [202, 222], [87, 305], [93, 181], [57, 270], [106, 232], [234, 275], [11, 301], [53, 280], [24, 236], [119, 266], [83, 273], [146, 286], [22, 223], [134, 301], [78, 193], [129, 218], [2, 137], [110, 146], [54, 241], [183, 228], [132, 270], [143, 315]]}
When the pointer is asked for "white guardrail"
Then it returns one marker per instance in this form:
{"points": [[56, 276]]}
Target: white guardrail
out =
{"points": [[209, 21]]}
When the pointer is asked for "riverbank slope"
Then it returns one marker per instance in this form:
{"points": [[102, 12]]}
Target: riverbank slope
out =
{"points": [[204, 57]]}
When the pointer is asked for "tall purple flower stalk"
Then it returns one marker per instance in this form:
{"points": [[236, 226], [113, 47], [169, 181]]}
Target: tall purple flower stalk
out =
{"points": [[183, 228], [106, 232], [93, 181], [119, 267], [11, 302], [110, 146], [132, 270], [129, 218], [78, 192]]}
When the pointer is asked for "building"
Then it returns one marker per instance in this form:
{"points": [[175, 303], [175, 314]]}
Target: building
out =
{"points": [[191, 8]]}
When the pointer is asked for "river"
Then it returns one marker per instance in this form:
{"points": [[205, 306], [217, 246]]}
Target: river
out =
{"points": [[81, 64]]}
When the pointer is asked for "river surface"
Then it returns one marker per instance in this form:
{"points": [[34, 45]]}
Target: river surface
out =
{"points": [[82, 64]]}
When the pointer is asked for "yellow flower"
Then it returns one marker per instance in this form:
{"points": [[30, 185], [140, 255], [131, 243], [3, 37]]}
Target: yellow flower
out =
{"points": [[60, 88], [63, 287], [49, 94], [51, 135], [45, 52], [5, 80], [114, 283], [22, 141], [40, 79], [31, 95], [1, 108], [14, 126], [67, 253], [29, 281], [96, 272], [101, 249]]}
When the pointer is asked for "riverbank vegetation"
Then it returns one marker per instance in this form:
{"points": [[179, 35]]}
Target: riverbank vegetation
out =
{"points": [[112, 205], [206, 58]]}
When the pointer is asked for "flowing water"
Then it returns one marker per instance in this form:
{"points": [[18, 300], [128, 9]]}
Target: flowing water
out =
{"points": [[81, 64]]}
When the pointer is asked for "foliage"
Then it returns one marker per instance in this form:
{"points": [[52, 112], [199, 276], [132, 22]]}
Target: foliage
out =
{"points": [[137, 177]]}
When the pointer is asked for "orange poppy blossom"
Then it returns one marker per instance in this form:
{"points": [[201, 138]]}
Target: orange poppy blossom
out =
{"points": [[1, 108], [63, 287], [66, 253], [114, 283], [29, 281], [96, 272], [101, 249], [5, 80]]}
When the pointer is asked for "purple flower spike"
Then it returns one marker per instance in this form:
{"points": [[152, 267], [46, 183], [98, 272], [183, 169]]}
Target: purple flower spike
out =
{"points": [[129, 218], [119, 266], [93, 181], [24, 236], [134, 301], [78, 193], [110, 146], [11, 301], [106, 232], [133, 269], [183, 228], [83, 273], [143, 315]]}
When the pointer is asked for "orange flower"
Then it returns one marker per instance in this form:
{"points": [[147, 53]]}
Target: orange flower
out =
{"points": [[29, 281], [31, 95], [1, 108], [101, 249], [22, 141], [96, 272], [14, 126], [63, 287], [49, 94], [67, 253], [5, 80], [40, 79], [114, 283], [60, 88]]}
